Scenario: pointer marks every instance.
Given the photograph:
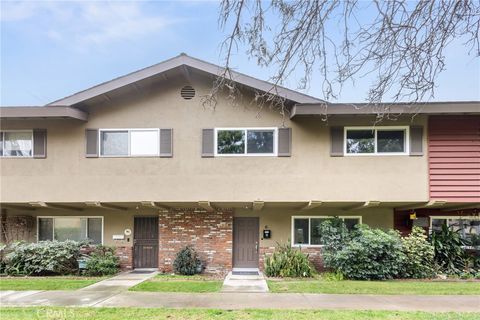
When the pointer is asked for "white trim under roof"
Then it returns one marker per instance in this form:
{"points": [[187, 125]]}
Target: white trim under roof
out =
{"points": [[182, 60]]}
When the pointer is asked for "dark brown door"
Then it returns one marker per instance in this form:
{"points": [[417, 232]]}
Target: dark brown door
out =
{"points": [[145, 242], [245, 242]]}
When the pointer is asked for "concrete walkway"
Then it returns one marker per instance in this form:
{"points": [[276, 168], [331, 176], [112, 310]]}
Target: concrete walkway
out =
{"points": [[241, 300], [121, 282], [244, 283]]}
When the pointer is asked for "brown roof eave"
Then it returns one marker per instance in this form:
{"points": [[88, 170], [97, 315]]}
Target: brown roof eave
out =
{"points": [[432, 108], [29, 113]]}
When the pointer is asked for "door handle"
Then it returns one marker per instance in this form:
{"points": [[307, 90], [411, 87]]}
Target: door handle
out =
{"points": [[256, 246]]}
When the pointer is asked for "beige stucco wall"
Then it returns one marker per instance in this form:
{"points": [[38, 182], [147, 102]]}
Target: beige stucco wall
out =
{"points": [[279, 221], [310, 173], [114, 222]]}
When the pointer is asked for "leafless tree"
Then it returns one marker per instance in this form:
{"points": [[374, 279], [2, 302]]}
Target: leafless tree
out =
{"points": [[400, 44]]}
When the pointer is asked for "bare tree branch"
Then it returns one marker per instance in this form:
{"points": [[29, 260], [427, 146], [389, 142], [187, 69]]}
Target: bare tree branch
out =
{"points": [[400, 44]]}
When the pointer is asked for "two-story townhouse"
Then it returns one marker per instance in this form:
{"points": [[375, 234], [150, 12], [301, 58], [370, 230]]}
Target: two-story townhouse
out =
{"points": [[140, 164]]}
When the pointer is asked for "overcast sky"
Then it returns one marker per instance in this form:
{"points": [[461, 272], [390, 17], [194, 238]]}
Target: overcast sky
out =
{"points": [[53, 49]]}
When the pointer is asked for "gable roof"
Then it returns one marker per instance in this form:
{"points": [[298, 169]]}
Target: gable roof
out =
{"points": [[176, 62]]}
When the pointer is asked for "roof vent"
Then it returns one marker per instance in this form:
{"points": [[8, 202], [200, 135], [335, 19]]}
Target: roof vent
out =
{"points": [[187, 92]]}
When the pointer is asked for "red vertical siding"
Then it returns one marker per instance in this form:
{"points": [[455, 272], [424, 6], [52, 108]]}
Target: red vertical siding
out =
{"points": [[454, 158]]}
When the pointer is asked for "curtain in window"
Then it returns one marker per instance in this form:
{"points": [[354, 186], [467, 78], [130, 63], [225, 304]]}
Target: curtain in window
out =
{"points": [[114, 143], [18, 144]]}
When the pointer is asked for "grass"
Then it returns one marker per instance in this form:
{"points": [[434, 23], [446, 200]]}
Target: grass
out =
{"points": [[376, 287], [176, 283], [47, 283], [59, 313]]}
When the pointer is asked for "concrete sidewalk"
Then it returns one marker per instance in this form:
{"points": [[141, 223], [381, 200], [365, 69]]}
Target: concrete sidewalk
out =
{"points": [[241, 300], [121, 282]]}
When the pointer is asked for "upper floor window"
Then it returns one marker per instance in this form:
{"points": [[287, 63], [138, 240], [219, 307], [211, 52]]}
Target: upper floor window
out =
{"points": [[16, 143], [129, 142], [246, 141], [376, 140], [306, 230]]}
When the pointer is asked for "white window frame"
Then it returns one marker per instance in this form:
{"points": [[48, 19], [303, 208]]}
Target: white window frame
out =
{"points": [[430, 230], [245, 154], [297, 245], [452, 218], [375, 130], [129, 142], [2, 132], [53, 226]]}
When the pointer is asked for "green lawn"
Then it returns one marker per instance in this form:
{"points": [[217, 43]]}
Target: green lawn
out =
{"points": [[376, 287], [46, 283], [174, 283], [58, 313]]}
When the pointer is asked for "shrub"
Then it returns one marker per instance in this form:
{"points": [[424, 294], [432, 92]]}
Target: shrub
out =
{"points": [[371, 254], [3, 253], [450, 255], [187, 262], [334, 237], [288, 262], [42, 258], [419, 254], [102, 261]]}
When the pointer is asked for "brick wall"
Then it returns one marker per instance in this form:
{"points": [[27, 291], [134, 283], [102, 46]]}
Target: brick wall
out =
{"points": [[126, 257], [210, 233], [314, 255]]}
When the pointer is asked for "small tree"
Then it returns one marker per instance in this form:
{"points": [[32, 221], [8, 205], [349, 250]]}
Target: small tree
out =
{"points": [[187, 262], [334, 236], [288, 262], [419, 254], [371, 254], [450, 255]]}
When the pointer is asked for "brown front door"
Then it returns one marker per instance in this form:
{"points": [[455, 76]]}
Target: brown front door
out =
{"points": [[145, 242], [245, 242]]}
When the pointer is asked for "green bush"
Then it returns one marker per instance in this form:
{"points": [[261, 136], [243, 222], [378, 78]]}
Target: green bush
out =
{"points": [[334, 236], [371, 254], [419, 252], [187, 262], [288, 262], [42, 258], [450, 255], [3, 253], [102, 261]]}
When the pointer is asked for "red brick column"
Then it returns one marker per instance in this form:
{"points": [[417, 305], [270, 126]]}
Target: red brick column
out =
{"points": [[210, 233], [125, 254], [314, 255]]}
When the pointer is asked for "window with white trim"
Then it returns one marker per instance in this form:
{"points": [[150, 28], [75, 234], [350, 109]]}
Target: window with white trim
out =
{"points": [[63, 228], [129, 142], [468, 227], [245, 141], [16, 143], [376, 140], [305, 230]]}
